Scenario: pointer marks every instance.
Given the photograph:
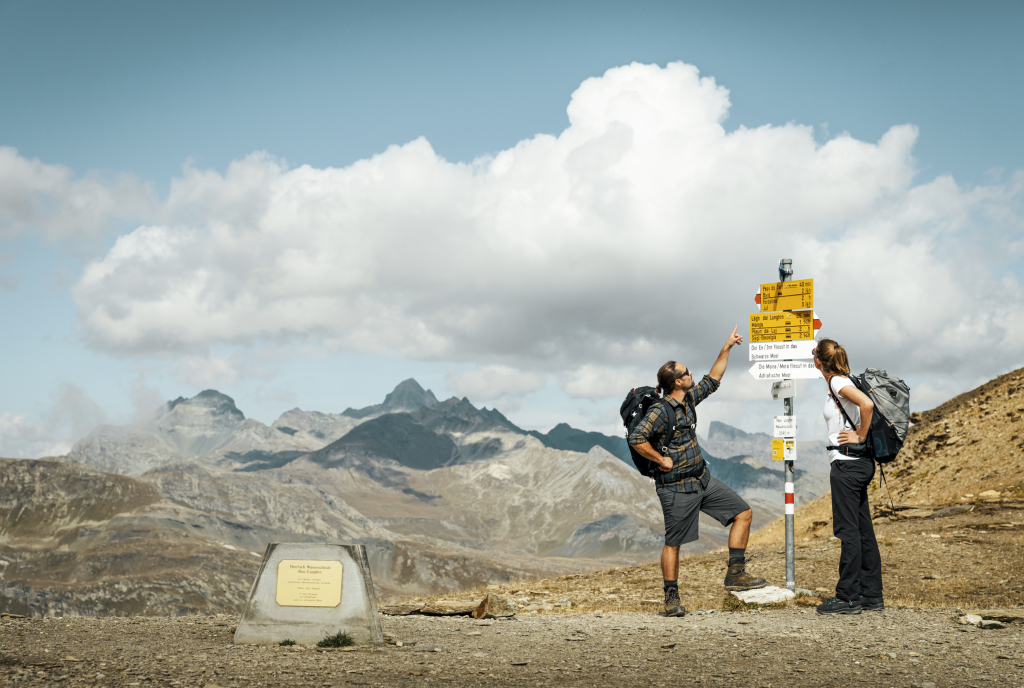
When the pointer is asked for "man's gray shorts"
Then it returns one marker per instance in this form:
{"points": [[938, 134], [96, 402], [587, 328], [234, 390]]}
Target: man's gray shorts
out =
{"points": [[682, 509]]}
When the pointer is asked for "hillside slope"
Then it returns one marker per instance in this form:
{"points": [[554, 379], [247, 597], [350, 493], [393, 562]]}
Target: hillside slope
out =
{"points": [[186, 539], [971, 444]]}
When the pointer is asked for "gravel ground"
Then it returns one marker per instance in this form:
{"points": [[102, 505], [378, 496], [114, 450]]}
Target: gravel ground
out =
{"points": [[896, 648]]}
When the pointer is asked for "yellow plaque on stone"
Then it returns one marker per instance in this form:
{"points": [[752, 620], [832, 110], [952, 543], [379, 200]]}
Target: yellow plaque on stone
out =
{"points": [[308, 583]]}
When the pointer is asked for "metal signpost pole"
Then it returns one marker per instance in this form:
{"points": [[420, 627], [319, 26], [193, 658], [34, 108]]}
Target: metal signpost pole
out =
{"points": [[785, 275], [782, 336]]}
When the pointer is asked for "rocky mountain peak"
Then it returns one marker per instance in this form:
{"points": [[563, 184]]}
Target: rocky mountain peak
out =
{"points": [[212, 400], [720, 431], [408, 395]]}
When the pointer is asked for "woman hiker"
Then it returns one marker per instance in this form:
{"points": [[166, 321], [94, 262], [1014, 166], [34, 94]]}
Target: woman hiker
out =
{"points": [[860, 564]]}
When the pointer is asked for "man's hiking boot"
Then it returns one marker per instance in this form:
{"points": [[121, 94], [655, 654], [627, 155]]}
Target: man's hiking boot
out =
{"points": [[872, 604], [673, 607], [738, 579], [838, 606]]}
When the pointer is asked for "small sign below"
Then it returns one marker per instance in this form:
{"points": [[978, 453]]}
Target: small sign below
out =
{"points": [[783, 450], [783, 389], [782, 351], [783, 370], [785, 426]]}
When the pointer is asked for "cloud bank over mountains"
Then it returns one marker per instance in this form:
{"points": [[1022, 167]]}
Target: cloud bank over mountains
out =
{"points": [[639, 233]]}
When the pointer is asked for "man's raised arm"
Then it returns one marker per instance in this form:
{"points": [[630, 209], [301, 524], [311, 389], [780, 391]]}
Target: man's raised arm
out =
{"points": [[718, 370]]}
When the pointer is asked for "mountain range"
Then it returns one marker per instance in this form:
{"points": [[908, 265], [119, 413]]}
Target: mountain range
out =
{"points": [[442, 493]]}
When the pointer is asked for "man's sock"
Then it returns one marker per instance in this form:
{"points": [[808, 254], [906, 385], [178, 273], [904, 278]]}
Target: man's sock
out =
{"points": [[671, 584], [736, 555]]}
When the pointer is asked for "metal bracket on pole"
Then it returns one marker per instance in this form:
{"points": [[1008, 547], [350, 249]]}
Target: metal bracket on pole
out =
{"points": [[785, 275]]}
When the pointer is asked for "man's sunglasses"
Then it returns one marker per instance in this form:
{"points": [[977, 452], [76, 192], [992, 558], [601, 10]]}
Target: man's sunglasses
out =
{"points": [[680, 376]]}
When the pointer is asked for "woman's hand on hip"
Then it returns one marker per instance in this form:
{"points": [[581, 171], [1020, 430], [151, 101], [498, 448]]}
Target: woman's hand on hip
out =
{"points": [[849, 437]]}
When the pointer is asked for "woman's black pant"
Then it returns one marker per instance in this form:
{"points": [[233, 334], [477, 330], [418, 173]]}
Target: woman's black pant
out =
{"points": [[860, 564]]}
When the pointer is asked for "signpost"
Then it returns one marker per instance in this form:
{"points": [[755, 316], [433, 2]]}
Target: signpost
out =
{"points": [[780, 335]]}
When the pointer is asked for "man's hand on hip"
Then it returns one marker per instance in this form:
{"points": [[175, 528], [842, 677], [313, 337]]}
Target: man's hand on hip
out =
{"points": [[647, 451]]}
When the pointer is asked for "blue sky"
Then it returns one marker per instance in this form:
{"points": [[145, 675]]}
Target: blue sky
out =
{"points": [[143, 89]]}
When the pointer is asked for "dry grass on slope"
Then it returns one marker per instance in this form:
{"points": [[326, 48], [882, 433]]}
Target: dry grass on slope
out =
{"points": [[971, 444]]}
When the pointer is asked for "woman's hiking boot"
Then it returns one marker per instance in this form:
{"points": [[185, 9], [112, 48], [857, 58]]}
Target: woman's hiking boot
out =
{"points": [[738, 579], [872, 604], [673, 606], [838, 606]]}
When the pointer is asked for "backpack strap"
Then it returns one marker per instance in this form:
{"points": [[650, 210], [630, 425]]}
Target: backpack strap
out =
{"points": [[891, 505], [672, 422], [853, 427], [841, 409]]}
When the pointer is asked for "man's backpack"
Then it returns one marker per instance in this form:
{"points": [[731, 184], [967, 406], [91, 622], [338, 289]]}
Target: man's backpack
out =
{"points": [[636, 405], [889, 419]]}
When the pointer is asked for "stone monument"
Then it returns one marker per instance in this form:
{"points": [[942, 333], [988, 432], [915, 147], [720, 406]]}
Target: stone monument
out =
{"points": [[307, 591]]}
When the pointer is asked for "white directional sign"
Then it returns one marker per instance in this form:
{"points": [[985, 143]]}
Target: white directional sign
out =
{"points": [[785, 426], [781, 370], [781, 351]]}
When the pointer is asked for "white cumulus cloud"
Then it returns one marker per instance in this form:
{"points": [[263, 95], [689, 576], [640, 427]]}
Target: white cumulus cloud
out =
{"points": [[600, 382], [636, 235], [491, 383], [35, 196]]}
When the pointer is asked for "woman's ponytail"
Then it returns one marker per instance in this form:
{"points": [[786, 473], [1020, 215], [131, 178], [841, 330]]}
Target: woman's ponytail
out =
{"points": [[833, 357]]}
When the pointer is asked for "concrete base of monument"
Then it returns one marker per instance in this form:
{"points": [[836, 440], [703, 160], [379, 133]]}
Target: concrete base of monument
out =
{"points": [[307, 591]]}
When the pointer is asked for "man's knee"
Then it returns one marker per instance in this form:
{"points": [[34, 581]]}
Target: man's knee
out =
{"points": [[744, 516], [671, 548]]}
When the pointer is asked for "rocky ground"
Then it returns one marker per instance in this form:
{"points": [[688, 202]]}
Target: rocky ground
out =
{"points": [[945, 559], [792, 646]]}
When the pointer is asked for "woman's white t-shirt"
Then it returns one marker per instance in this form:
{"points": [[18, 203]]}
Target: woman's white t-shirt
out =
{"points": [[834, 420]]}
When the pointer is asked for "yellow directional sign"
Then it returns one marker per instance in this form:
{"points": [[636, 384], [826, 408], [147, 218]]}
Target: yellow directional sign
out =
{"points": [[784, 450], [781, 327], [787, 296]]}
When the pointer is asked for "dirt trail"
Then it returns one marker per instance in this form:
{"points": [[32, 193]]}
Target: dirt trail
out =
{"points": [[777, 648]]}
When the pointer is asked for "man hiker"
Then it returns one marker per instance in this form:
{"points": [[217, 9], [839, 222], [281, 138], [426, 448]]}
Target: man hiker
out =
{"points": [[685, 485]]}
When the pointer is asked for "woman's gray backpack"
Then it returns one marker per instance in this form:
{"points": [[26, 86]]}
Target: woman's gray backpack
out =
{"points": [[889, 420]]}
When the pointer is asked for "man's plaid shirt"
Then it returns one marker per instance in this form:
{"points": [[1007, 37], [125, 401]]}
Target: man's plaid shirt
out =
{"points": [[683, 449]]}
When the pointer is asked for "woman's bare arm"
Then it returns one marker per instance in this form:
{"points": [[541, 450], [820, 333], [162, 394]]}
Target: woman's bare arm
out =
{"points": [[866, 406]]}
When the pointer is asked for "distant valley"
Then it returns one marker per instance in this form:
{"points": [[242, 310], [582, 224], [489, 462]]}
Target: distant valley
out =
{"points": [[172, 515]]}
